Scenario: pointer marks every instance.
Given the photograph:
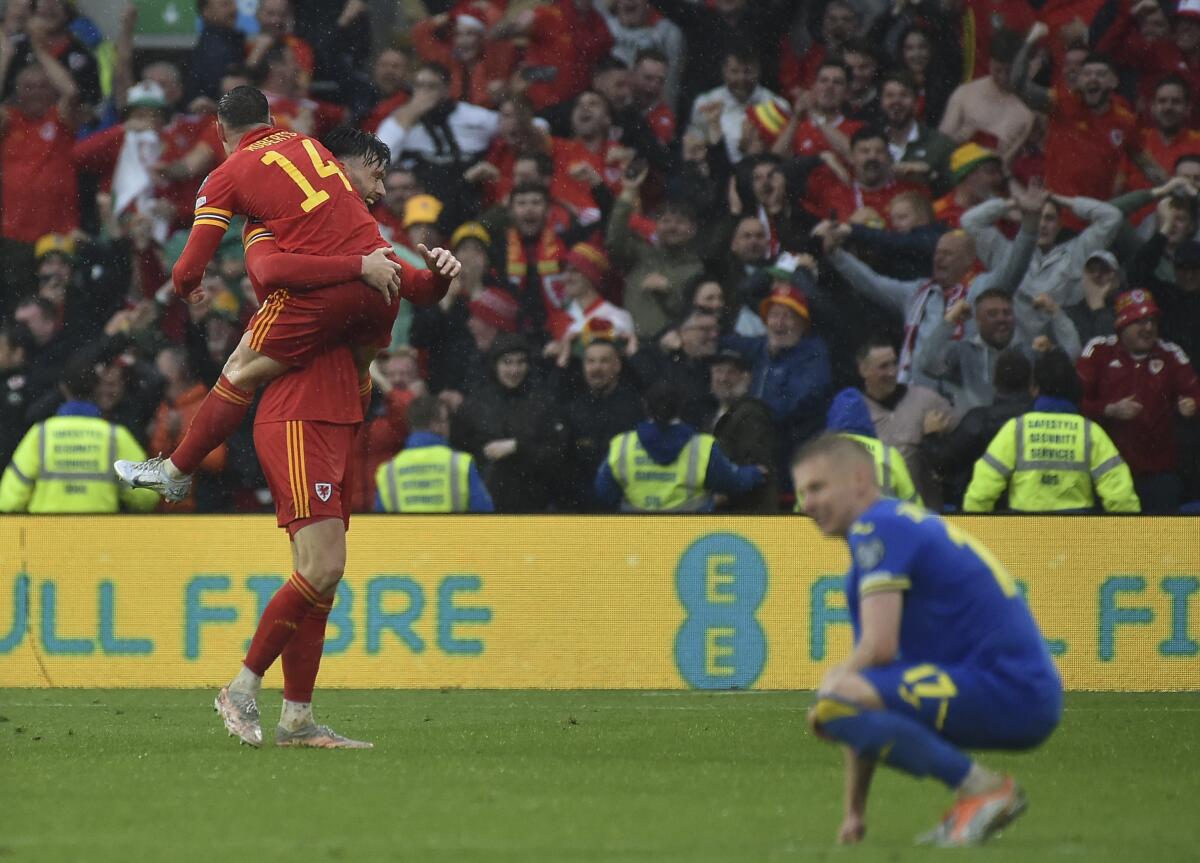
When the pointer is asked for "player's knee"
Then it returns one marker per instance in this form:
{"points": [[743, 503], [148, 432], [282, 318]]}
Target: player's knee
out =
{"points": [[325, 574], [850, 687]]}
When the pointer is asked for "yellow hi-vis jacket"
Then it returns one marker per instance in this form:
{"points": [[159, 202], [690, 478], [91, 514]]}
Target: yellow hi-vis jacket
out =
{"points": [[653, 487], [1051, 462], [65, 464], [425, 479], [890, 469]]}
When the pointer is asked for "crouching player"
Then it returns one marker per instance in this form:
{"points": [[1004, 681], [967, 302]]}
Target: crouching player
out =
{"points": [[946, 653]]}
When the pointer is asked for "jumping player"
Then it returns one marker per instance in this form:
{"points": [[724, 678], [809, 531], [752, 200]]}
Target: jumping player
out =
{"points": [[300, 194], [946, 654], [303, 433]]}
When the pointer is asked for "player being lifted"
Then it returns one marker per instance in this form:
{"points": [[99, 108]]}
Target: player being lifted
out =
{"points": [[303, 433], [946, 653], [291, 184]]}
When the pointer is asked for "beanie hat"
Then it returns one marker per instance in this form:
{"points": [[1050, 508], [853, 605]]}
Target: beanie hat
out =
{"points": [[967, 158], [769, 118], [786, 295], [470, 231], [496, 308], [1133, 306], [590, 260]]}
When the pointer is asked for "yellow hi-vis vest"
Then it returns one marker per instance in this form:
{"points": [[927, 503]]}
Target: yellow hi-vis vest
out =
{"points": [[653, 487], [890, 469], [425, 479], [1049, 462], [65, 464]]}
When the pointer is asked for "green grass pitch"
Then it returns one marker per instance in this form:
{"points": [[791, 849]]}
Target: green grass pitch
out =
{"points": [[104, 775]]}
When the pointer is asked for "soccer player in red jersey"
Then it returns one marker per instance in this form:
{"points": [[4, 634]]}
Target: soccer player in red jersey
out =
{"points": [[304, 432], [293, 185]]}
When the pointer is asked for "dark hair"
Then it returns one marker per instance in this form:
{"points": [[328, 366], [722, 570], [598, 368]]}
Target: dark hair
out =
{"points": [[663, 401], [993, 294], [545, 163], [609, 63], [742, 53], [1101, 59], [1013, 371], [651, 54], [1055, 376], [903, 77], [79, 378], [679, 205], [692, 287], [867, 133], [876, 340], [860, 46], [1004, 46], [424, 411], [19, 337], [243, 107], [1175, 80], [834, 63], [530, 188], [348, 141]]}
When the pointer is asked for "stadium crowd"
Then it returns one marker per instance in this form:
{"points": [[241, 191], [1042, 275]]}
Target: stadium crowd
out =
{"points": [[973, 221]]}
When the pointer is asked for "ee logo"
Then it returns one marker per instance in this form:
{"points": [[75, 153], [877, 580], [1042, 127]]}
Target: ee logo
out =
{"points": [[721, 580]]}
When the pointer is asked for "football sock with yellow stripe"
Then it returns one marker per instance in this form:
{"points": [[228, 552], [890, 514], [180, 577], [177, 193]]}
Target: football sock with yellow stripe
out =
{"points": [[280, 622], [302, 653], [895, 740], [222, 412]]}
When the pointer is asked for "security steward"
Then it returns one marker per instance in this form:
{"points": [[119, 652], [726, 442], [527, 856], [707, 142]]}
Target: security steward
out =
{"points": [[64, 464], [427, 475], [1052, 459], [665, 465]]}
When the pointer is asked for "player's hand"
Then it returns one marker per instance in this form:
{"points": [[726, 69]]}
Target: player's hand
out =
{"points": [[1187, 406], [382, 273], [1126, 409], [852, 831], [196, 296], [441, 261]]}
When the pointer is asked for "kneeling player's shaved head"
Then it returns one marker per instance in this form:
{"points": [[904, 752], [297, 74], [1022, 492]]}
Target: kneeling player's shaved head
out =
{"points": [[835, 477]]}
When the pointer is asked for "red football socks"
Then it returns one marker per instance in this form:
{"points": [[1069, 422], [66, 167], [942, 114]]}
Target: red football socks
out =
{"points": [[280, 622], [222, 412], [302, 654]]}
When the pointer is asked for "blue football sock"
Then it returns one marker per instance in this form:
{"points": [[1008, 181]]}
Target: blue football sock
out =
{"points": [[893, 739]]}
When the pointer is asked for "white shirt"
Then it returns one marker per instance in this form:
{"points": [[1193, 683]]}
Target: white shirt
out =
{"points": [[733, 114], [473, 128], [897, 150]]}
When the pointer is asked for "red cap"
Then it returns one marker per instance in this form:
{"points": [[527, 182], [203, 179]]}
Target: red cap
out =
{"points": [[590, 260], [1133, 306], [786, 295], [496, 308]]}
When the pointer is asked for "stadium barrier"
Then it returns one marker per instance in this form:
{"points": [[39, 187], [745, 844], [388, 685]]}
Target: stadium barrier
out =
{"points": [[557, 602]]}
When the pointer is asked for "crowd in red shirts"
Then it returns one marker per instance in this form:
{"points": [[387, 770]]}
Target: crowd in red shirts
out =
{"points": [[795, 197]]}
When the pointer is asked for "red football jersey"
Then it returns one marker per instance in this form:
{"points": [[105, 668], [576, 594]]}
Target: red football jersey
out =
{"points": [[38, 195], [1085, 150], [809, 140], [293, 185], [827, 194]]}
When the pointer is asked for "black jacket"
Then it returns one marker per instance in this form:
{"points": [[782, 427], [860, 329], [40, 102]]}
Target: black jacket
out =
{"points": [[952, 456], [746, 433], [591, 422], [216, 50], [527, 480], [1179, 321]]}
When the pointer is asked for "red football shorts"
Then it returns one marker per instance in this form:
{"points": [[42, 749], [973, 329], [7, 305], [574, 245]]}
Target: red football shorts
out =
{"points": [[307, 466], [294, 327]]}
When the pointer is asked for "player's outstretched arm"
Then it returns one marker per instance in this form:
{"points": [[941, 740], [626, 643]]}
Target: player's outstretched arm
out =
{"points": [[188, 271], [292, 271]]}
